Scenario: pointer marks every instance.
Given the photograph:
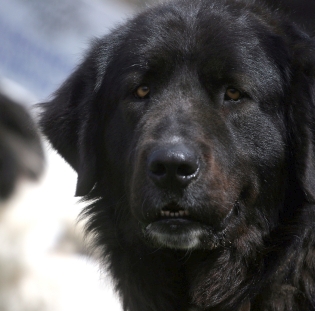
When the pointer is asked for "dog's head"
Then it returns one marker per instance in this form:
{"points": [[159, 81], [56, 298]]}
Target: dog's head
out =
{"points": [[201, 116]]}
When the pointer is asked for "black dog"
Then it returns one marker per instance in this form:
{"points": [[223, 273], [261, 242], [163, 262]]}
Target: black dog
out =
{"points": [[21, 153], [192, 128]]}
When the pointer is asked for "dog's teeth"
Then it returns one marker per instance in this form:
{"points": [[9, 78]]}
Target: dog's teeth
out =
{"points": [[180, 213]]}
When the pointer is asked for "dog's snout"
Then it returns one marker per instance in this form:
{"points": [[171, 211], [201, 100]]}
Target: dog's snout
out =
{"points": [[174, 165]]}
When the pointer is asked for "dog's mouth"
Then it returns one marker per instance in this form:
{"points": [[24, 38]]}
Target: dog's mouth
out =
{"points": [[176, 228], [173, 211]]}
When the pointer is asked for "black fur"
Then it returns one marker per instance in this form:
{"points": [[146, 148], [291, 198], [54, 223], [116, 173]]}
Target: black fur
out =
{"points": [[247, 166]]}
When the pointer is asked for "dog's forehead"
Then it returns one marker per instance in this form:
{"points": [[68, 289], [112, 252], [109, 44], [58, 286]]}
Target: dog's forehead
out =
{"points": [[211, 36], [189, 29], [208, 30]]}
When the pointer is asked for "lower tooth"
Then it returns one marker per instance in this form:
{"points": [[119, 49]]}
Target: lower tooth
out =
{"points": [[174, 214]]}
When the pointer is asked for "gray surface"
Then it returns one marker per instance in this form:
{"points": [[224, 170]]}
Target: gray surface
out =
{"points": [[41, 41]]}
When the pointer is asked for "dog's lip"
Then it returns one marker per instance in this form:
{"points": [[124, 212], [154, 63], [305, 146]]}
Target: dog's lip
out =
{"points": [[174, 214], [172, 224]]}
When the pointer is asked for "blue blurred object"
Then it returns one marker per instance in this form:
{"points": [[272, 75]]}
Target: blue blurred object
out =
{"points": [[41, 41]]}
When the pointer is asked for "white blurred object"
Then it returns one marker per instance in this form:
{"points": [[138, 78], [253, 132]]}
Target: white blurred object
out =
{"points": [[38, 270]]}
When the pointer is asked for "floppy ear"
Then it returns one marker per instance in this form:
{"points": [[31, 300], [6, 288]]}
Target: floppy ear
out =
{"points": [[302, 115], [69, 121]]}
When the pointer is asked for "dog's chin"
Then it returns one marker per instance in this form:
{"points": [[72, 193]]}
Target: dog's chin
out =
{"points": [[180, 234]]}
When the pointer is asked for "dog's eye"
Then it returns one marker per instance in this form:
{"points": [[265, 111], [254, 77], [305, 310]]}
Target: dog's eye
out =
{"points": [[142, 91], [232, 94]]}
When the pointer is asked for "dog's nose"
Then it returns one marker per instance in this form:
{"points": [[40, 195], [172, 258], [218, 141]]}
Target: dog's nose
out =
{"points": [[173, 166]]}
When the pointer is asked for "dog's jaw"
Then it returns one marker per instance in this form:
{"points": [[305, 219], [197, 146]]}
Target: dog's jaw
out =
{"points": [[181, 234]]}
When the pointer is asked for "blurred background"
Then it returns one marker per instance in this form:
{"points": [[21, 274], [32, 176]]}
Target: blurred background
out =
{"points": [[45, 264]]}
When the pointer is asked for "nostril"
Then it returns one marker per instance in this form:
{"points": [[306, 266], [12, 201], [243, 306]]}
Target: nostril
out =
{"points": [[186, 170], [158, 169]]}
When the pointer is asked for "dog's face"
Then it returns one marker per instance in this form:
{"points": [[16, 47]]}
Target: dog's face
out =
{"points": [[194, 101], [201, 108]]}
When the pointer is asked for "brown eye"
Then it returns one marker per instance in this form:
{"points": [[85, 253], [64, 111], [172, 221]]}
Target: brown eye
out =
{"points": [[232, 94], [142, 91]]}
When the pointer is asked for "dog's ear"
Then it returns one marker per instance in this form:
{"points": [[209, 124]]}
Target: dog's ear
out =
{"points": [[302, 114], [71, 123]]}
